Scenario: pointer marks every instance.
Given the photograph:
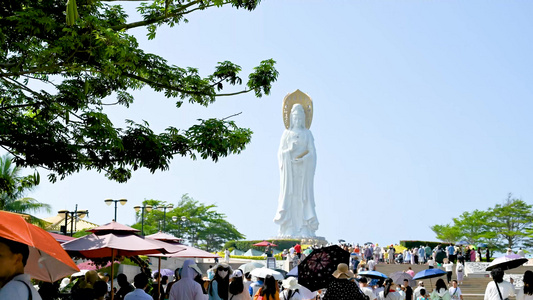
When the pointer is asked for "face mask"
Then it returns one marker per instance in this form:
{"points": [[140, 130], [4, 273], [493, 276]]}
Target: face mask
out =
{"points": [[223, 274]]}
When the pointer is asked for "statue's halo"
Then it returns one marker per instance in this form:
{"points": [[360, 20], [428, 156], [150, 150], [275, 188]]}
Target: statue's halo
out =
{"points": [[297, 97]]}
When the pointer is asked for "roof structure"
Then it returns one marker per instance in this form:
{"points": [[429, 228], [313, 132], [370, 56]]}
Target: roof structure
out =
{"points": [[59, 220]]}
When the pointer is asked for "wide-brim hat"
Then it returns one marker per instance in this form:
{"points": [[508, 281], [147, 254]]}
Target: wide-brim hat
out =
{"points": [[343, 271], [223, 265], [196, 268], [291, 283]]}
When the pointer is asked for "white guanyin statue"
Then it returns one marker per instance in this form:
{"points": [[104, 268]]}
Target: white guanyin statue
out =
{"points": [[296, 214]]}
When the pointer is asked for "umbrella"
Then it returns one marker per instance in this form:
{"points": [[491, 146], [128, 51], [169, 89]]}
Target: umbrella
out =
{"points": [[399, 277], [293, 272], [164, 272], [264, 244], [462, 243], [482, 245], [248, 267], [47, 260], [368, 243], [507, 262], [428, 274], [314, 272], [308, 251], [283, 272], [263, 272], [373, 274]]}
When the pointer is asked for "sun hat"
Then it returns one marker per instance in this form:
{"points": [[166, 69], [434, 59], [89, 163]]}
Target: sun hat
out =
{"points": [[223, 265], [291, 283], [236, 273], [343, 271]]}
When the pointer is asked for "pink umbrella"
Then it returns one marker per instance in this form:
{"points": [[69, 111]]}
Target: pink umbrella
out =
{"points": [[264, 244], [114, 239], [61, 238]]}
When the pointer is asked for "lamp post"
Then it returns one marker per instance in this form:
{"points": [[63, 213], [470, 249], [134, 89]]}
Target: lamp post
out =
{"points": [[181, 220], [122, 202], [142, 209], [78, 213], [164, 208]]}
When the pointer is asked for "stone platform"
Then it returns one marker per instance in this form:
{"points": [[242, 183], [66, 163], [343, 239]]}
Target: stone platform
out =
{"points": [[316, 240]]}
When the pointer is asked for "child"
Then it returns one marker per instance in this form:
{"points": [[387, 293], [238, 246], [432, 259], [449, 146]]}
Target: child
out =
{"points": [[423, 295]]}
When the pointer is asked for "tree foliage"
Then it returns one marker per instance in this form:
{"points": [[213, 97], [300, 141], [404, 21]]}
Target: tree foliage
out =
{"points": [[13, 188], [56, 81], [507, 225], [204, 227]]}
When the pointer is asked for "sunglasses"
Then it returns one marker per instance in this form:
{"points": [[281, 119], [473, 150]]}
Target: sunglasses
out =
{"points": [[222, 269]]}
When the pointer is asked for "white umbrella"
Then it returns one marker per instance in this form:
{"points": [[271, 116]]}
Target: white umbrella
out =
{"points": [[248, 267], [507, 262], [263, 272]]}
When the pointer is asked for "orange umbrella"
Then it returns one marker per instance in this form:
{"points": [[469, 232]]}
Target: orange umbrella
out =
{"points": [[47, 261], [265, 243]]}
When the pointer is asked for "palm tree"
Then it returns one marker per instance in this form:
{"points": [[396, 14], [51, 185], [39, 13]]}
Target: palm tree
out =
{"points": [[14, 186]]}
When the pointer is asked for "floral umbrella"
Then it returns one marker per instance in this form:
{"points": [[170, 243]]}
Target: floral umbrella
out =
{"points": [[314, 272]]}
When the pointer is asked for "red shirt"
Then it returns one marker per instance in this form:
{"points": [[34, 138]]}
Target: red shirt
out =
{"points": [[297, 248]]}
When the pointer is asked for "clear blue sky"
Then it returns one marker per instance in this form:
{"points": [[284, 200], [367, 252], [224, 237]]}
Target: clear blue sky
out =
{"points": [[422, 111]]}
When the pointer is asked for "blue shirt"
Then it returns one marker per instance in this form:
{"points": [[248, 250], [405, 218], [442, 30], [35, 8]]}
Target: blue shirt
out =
{"points": [[451, 250], [138, 294]]}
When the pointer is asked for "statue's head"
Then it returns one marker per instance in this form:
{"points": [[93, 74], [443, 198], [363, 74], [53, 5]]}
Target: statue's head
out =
{"points": [[297, 116]]}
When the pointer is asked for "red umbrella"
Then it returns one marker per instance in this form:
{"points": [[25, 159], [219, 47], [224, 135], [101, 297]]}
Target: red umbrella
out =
{"points": [[47, 260], [265, 243]]}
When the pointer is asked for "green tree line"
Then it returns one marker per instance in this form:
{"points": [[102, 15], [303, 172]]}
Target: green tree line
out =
{"points": [[200, 224], [506, 225]]}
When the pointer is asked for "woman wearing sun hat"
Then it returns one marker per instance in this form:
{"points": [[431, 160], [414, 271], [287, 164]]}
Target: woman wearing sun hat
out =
{"points": [[291, 290], [219, 287], [236, 287], [341, 287]]}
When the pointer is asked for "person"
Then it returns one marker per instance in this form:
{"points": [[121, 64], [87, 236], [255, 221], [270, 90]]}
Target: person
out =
{"points": [[14, 284], [140, 281], [354, 260], [226, 256], [389, 292], [431, 263], [455, 291], [391, 254], [450, 251], [487, 254], [268, 251], [341, 287], [298, 250], [423, 295], [371, 265], [363, 285], [526, 292], [100, 290], [448, 267], [418, 290], [460, 269], [408, 290], [296, 214], [498, 287], [521, 252], [410, 272], [269, 290], [124, 286], [256, 285], [421, 255], [236, 287], [218, 287], [473, 255], [440, 292], [176, 279], [186, 287], [291, 290]]}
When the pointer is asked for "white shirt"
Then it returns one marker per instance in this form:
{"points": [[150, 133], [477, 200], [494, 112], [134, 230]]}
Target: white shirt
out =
{"points": [[368, 291], [186, 288], [371, 264], [16, 289], [491, 292], [390, 296], [138, 294], [448, 267], [455, 293], [431, 262], [416, 292]]}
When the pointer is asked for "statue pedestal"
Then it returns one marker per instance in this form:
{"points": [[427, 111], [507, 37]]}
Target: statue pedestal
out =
{"points": [[315, 240]]}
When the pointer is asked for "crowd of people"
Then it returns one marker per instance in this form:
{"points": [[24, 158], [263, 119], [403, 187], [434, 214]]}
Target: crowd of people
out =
{"points": [[224, 283]]}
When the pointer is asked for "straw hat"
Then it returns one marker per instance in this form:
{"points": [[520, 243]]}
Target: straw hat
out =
{"points": [[343, 271], [291, 283]]}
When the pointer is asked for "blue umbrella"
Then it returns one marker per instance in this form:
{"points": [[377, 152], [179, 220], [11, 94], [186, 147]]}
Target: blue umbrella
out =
{"points": [[373, 274], [482, 245], [293, 272], [462, 243], [429, 273]]}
